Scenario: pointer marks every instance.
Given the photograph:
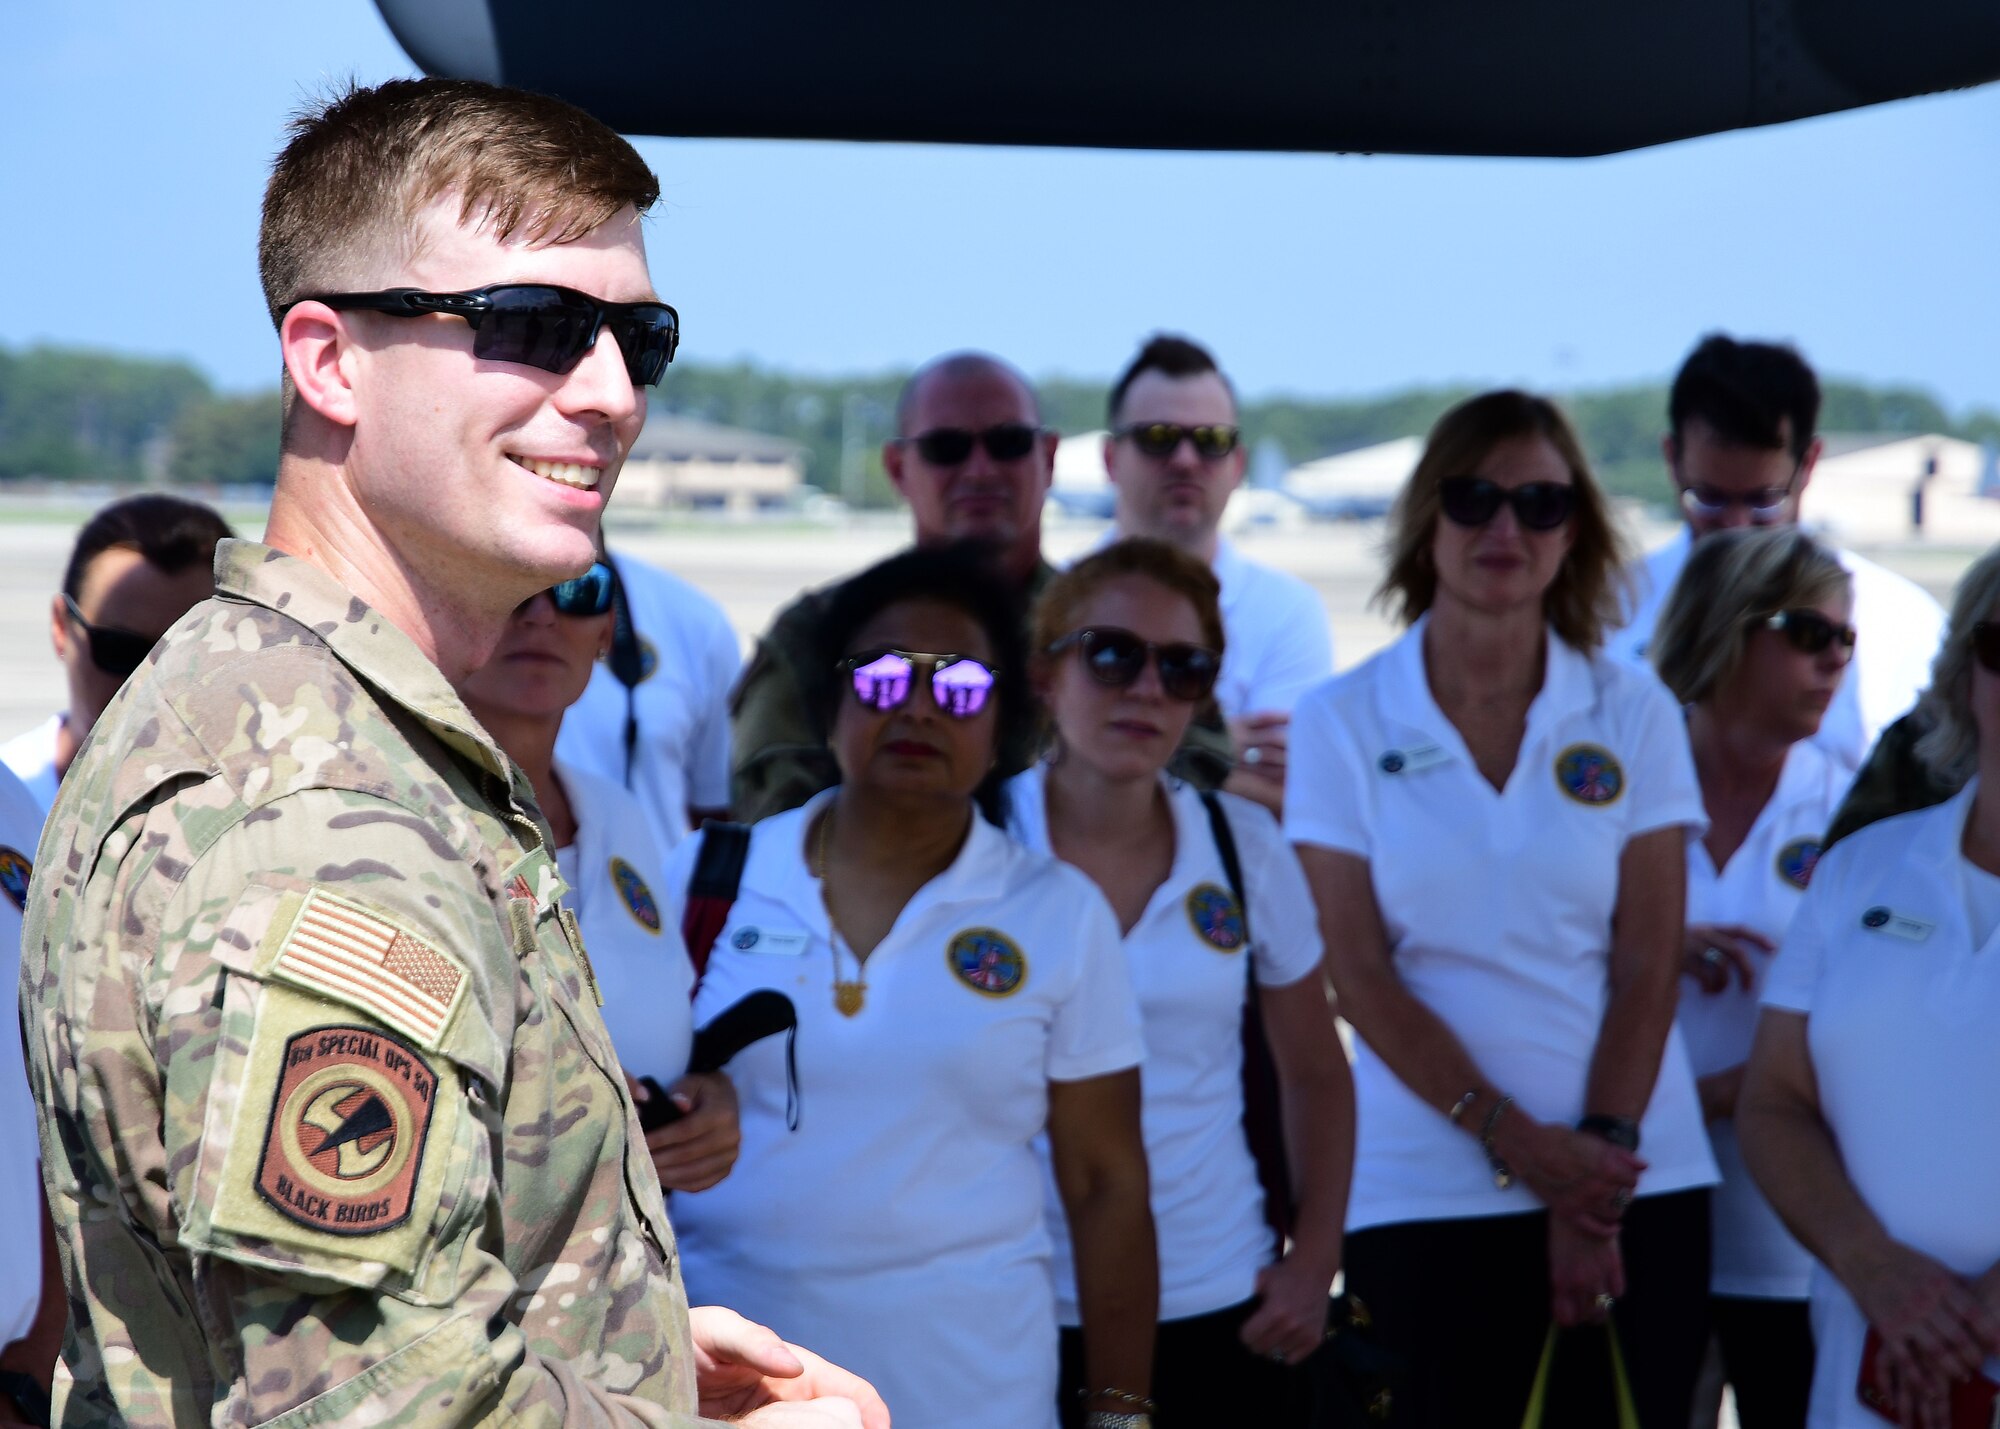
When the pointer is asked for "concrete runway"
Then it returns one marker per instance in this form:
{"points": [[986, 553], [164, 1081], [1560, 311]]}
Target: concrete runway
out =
{"points": [[752, 569]]}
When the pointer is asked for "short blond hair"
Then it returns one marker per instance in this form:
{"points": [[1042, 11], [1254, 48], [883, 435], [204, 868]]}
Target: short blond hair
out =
{"points": [[361, 168], [1732, 580], [1949, 746], [1583, 599]]}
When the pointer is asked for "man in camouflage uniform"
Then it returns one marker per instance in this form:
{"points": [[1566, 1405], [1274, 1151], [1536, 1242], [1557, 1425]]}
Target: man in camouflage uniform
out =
{"points": [[991, 493], [333, 1132]]}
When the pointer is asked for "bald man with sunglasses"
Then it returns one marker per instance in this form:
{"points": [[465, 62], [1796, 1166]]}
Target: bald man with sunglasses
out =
{"points": [[974, 462]]}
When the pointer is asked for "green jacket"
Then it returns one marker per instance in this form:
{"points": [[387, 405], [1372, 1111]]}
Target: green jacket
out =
{"points": [[332, 1129], [781, 757]]}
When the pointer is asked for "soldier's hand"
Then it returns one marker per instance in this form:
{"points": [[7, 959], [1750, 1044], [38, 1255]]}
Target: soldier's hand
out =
{"points": [[697, 1151], [743, 1370]]}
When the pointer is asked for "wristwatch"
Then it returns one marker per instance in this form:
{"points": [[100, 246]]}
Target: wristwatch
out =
{"points": [[1620, 1131]]}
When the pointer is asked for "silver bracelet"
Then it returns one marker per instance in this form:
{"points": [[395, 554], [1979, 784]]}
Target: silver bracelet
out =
{"points": [[1116, 1419]]}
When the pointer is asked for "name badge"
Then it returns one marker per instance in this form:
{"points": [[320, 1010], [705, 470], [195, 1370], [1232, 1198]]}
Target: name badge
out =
{"points": [[1897, 925], [774, 942], [1413, 760]]}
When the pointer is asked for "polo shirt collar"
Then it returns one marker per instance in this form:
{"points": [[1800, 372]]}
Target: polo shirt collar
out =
{"points": [[362, 639], [780, 864], [1568, 687]]}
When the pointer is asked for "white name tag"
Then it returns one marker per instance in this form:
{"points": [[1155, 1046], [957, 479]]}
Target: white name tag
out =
{"points": [[1897, 925], [1413, 760], [774, 942]]}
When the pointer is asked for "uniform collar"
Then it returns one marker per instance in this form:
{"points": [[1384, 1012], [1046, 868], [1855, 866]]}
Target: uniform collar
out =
{"points": [[1568, 686], [1194, 840], [361, 638]]}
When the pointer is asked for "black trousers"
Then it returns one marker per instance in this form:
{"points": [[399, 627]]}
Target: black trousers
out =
{"points": [[1203, 1378], [1466, 1303], [1767, 1356]]}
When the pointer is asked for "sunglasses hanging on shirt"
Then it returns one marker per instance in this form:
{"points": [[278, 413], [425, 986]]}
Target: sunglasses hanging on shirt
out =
{"points": [[882, 680], [535, 324], [1538, 505]]}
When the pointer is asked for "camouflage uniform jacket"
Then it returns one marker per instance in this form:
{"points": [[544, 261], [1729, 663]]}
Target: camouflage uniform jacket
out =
{"points": [[779, 739], [332, 1129]]}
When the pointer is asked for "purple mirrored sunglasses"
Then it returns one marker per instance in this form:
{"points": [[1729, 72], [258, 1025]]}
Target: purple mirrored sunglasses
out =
{"points": [[882, 680]]}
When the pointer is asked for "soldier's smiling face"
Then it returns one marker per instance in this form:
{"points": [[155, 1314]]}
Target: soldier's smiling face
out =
{"points": [[495, 472]]}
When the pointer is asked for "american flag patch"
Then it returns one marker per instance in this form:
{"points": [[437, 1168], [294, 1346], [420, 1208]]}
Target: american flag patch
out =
{"points": [[356, 956]]}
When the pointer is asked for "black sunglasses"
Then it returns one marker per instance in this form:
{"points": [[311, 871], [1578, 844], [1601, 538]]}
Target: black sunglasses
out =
{"points": [[1986, 645], [948, 446], [1538, 505], [1809, 632], [883, 679], [535, 324], [1163, 439], [114, 651], [587, 594], [1114, 657]]}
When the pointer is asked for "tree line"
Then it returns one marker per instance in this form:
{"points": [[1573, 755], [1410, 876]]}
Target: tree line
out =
{"points": [[74, 415]]}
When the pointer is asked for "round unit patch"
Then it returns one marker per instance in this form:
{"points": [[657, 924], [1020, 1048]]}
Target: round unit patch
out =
{"points": [[637, 897], [986, 960], [346, 1135], [1216, 917], [1796, 861], [14, 874], [1590, 774], [649, 660]]}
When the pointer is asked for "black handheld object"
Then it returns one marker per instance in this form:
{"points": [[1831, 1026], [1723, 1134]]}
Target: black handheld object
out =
{"points": [[762, 1014]]}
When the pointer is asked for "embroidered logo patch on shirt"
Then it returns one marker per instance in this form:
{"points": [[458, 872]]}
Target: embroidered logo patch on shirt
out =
{"points": [[14, 874], [1216, 917], [345, 1141], [1590, 774], [352, 954], [986, 960], [637, 896], [1796, 861]]}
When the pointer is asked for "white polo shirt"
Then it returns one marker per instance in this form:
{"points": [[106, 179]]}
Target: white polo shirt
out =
{"points": [[1185, 958], [617, 892], [31, 758], [1900, 1009], [1497, 904], [899, 1229], [1280, 644], [1760, 888], [691, 656], [20, 1168], [1899, 627]]}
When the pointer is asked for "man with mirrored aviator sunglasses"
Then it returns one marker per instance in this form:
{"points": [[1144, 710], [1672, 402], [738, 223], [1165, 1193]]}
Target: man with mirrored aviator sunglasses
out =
{"points": [[1175, 456], [1740, 451], [974, 462], [314, 1033]]}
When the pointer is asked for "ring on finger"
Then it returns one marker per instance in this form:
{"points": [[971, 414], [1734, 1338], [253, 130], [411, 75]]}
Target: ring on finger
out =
{"points": [[1604, 1301], [1254, 754], [1711, 956], [1278, 1356]]}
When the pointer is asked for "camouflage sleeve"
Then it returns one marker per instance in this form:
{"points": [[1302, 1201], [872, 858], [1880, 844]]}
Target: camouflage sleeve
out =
{"points": [[779, 743], [402, 1204], [1892, 781], [1206, 754]]}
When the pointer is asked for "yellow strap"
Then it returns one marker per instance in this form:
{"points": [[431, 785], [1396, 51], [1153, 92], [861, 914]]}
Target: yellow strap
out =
{"points": [[1628, 1412]]}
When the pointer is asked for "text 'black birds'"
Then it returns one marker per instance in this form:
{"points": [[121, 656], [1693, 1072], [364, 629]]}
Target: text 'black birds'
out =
{"points": [[1525, 77]]}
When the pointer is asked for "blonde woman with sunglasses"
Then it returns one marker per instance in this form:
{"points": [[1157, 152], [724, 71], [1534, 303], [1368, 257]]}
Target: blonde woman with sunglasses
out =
{"points": [[1127, 645]]}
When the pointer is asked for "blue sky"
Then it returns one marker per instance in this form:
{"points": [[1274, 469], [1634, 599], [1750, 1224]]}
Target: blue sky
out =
{"points": [[136, 137]]}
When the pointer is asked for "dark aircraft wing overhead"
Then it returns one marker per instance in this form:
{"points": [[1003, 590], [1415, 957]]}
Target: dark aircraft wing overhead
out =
{"points": [[1532, 77]]}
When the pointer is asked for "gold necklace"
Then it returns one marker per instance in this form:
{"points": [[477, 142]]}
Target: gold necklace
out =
{"points": [[847, 996]]}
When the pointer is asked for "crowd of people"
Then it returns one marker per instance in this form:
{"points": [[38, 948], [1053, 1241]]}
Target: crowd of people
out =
{"points": [[442, 964]]}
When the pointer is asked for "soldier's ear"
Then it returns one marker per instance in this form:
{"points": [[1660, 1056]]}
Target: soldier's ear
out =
{"points": [[321, 358]]}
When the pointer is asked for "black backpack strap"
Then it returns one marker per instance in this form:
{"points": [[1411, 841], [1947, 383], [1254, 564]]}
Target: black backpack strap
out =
{"points": [[718, 873], [1263, 1114]]}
